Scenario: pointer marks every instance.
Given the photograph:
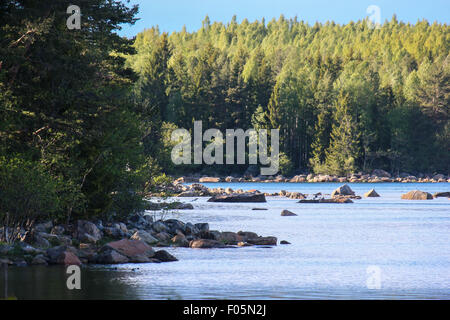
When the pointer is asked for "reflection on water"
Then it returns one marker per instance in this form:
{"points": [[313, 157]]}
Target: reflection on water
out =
{"points": [[332, 246]]}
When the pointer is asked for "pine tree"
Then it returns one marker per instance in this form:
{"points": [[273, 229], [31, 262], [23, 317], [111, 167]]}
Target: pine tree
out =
{"points": [[343, 151]]}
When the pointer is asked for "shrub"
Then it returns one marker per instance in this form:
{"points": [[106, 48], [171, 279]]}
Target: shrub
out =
{"points": [[27, 193]]}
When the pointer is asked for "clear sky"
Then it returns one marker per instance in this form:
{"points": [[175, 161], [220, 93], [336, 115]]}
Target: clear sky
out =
{"points": [[171, 15]]}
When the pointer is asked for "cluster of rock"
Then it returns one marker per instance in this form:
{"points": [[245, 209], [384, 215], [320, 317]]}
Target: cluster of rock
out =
{"points": [[113, 243], [376, 176]]}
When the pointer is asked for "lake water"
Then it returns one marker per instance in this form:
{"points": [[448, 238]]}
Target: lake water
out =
{"points": [[332, 246]]}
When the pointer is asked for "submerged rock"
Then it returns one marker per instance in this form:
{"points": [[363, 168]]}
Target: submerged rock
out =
{"points": [[441, 195], [287, 213], [263, 241], [241, 197], [333, 200], [417, 195]]}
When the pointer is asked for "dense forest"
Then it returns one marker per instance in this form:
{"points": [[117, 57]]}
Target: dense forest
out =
{"points": [[345, 97], [86, 115]]}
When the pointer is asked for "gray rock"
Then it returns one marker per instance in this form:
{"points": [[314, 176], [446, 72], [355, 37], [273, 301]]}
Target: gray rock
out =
{"points": [[139, 221], [44, 227], [55, 252], [163, 236], [148, 219], [40, 259], [114, 232], [40, 241], [58, 230], [88, 232], [246, 235], [191, 229], [159, 226], [211, 235], [111, 257], [202, 227], [175, 226], [144, 236], [381, 173], [344, 190]]}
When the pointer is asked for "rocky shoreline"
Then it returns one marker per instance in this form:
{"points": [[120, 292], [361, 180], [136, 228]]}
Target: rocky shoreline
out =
{"points": [[377, 176], [135, 241], [343, 194]]}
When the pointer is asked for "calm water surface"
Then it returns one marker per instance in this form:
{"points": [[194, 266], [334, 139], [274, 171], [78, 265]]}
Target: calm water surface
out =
{"points": [[332, 247]]}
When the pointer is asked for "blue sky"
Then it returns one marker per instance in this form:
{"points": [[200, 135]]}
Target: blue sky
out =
{"points": [[171, 15]]}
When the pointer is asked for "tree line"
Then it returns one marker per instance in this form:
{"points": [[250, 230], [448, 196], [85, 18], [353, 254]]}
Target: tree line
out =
{"points": [[346, 98]]}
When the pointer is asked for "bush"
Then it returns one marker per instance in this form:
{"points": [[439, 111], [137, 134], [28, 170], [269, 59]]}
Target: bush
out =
{"points": [[27, 193]]}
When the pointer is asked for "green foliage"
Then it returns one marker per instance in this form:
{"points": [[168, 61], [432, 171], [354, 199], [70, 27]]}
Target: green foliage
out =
{"points": [[65, 103], [289, 75], [285, 164], [27, 191], [343, 151]]}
